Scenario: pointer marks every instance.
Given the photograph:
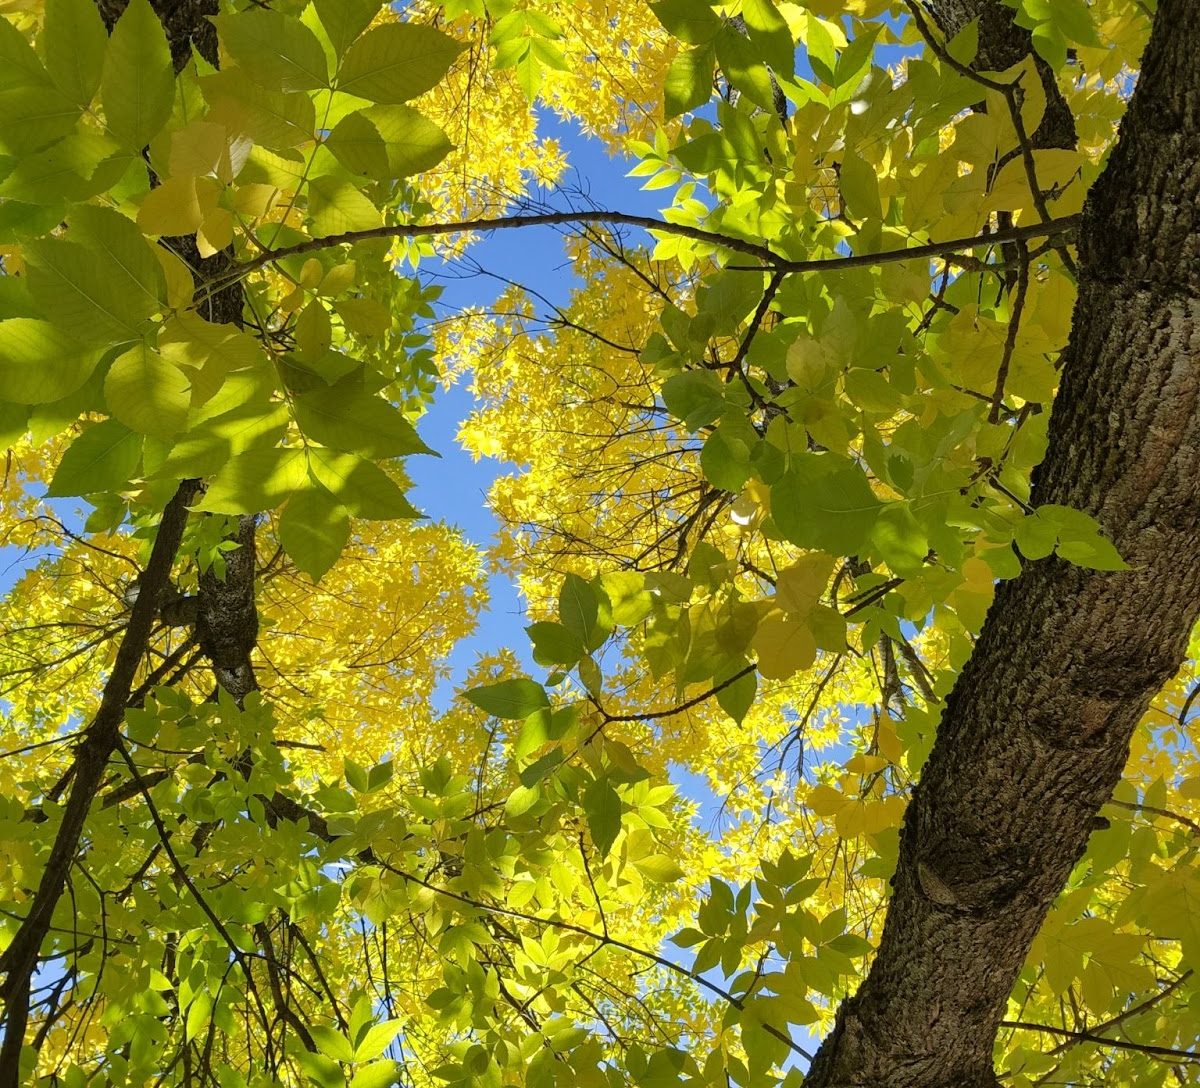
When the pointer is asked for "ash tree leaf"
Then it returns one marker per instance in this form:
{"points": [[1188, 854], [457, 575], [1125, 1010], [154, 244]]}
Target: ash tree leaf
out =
{"points": [[743, 66], [147, 393], [138, 85], [386, 142], [554, 644], [134, 269], [382, 1074], [602, 805], [691, 21], [19, 64], [332, 1043], [274, 49], [689, 80], [396, 62], [103, 458], [85, 292], [74, 42], [313, 530], [770, 34], [39, 363], [695, 398], [580, 612], [363, 488], [660, 868], [513, 700], [259, 479], [899, 539], [825, 502], [356, 421], [737, 698], [377, 1039], [77, 167], [345, 20], [784, 647], [337, 206]]}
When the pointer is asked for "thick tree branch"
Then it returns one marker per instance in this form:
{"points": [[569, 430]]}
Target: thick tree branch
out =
{"points": [[1057, 227], [91, 761], [1037, 729]]}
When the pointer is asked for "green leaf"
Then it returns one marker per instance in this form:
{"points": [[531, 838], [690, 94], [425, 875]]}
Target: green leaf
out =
{"points": [[860, 187], [274, 119], [541, 767], [769, 33], [899, 539], [725, 458], [742, 64], [602, 805], [198, 1014], [132, 265], [660, 868], [691, 21], [147, 393], [103, 458], [386, 142], [628, 597], [32, 117], [39, 363], [384, 1074], [363, 488], [737, 698], [19, 64], [554, 644], [331, 1042], [257, 480], [695, 398], [512, 700], [689, 80], [1035, 536], [313, 530], [74, 168], [1079, 538], [345, 20], [274, 49], [521, 800], [86, 292], [138, 86], [579, 611], [356, 775], [396, 62], [335, 206], [351, 419], [74, 42], [824, 502]]}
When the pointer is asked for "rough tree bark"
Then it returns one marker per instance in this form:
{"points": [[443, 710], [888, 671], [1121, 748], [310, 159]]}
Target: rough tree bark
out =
{"points": [[1001, 45], [1037, 729]]}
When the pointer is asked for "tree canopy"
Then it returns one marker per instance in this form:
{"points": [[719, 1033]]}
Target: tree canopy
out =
{"points": [[853, 497]]}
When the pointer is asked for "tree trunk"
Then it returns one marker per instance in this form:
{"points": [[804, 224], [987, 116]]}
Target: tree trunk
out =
{"points": [[1037, 728]]}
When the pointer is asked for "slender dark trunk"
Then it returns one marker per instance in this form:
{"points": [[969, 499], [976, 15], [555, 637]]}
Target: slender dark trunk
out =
{"points": [[1036, 732]]}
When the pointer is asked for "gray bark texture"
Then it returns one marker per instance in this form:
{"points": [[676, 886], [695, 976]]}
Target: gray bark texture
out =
{"points": [[1037, 729], [1001, 45]]}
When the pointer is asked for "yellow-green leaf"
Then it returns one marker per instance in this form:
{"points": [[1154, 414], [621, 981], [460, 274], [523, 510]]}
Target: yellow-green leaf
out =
{"points": [[147, 393], [396, 62], [138, 86], [313, 530], [40, 363]]}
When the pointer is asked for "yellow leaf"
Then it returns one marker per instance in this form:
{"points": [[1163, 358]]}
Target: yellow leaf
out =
{"points": [[783, 647], [799, 587], [177, 206]]}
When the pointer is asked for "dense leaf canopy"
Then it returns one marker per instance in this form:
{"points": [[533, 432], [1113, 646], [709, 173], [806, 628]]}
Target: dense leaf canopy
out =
{"points": [[765, 467]]}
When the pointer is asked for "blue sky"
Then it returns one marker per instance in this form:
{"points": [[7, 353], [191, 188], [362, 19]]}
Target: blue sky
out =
{"points": [[453, 488]]}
